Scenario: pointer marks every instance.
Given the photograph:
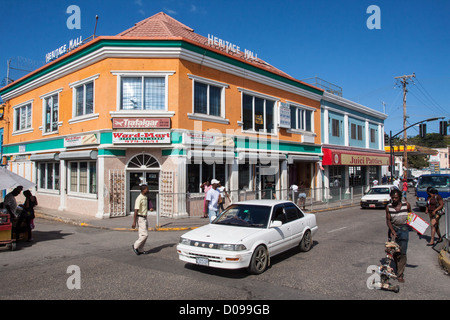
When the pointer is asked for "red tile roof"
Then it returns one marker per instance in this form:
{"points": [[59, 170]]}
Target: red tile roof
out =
{"points": [[163, 26]]}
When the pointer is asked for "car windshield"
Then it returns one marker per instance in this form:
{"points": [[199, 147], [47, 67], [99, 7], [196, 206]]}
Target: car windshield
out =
{"points": [[378, 191], [434, 181], [245, 216]]}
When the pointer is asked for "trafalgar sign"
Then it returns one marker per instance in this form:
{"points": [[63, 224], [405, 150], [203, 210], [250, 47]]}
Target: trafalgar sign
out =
{"points": [[160, 137], [141, 123]]}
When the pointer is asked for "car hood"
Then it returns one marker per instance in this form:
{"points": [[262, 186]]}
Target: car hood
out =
{"points": [[376, 197], [216, 233]]}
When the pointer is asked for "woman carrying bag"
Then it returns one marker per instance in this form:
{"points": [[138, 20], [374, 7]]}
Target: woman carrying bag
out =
{"points": [[435, 206]]}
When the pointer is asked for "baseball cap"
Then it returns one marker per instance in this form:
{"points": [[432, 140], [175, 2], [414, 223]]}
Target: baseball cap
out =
{"points": [[214, 181]]}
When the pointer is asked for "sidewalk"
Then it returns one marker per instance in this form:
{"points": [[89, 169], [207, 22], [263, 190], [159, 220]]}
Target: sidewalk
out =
{"points": [[120, 223], [165, 223]]}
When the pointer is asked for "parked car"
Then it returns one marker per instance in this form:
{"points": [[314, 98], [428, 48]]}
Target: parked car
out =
{"points": [[441, 182], [247, 234], [377, 197]]}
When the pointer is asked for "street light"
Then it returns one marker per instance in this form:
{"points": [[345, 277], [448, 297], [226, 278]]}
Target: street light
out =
{"points": [[391, 137]]}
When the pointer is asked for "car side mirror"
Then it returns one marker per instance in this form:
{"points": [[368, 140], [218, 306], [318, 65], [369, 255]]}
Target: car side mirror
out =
{"points": [[276, 224]]}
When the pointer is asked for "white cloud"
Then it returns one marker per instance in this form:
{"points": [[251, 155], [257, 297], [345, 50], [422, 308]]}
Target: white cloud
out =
{"points": [[170, 11]]}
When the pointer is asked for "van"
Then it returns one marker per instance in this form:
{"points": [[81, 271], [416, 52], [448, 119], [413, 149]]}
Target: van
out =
{"points": [[441, 182]]}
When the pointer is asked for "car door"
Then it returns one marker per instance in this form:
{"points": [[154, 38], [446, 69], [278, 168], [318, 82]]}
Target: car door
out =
{"points": [[278, 237], [295, 222]]}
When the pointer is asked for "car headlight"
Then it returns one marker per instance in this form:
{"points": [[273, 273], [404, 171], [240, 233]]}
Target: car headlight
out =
{"points": [[232, 247], [185, 241]]}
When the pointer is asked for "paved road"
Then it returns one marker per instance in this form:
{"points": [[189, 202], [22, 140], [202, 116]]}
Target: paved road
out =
{"points": [[347, 243]]}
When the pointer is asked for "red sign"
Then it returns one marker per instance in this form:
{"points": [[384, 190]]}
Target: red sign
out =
{"points": [[140, 123], [353, 158]]}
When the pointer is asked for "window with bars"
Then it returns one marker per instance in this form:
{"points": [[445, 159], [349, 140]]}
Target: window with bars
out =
{"points": [[143, 93], [48, 176], [83, 177]]}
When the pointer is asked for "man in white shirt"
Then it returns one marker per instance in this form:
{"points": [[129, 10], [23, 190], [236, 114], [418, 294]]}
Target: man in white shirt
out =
{"points": [[212, 200]]}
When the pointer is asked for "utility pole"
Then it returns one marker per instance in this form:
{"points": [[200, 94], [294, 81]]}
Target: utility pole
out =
{"points": [[404, 82]]}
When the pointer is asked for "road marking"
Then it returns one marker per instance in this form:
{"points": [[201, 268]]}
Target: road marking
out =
{"points": [[337, 229]]}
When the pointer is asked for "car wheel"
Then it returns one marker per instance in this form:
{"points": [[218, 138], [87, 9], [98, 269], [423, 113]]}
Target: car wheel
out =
{"points": [[306, 243], [259, 261]]}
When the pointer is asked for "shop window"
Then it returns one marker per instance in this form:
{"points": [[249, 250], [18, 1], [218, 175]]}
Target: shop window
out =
{"points": [[22, 117], [199, 173], [83, 177], [51, 106], [143, 93], [48, 176], [258, 114], [355, 176], [244, 176], [335, 176]]}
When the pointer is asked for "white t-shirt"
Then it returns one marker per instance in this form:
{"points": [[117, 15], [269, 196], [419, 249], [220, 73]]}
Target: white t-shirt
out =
{"points": [[213, 197]]}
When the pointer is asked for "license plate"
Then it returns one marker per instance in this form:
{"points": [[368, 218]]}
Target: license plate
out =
{"points": [[202, 261], [371, 206]]}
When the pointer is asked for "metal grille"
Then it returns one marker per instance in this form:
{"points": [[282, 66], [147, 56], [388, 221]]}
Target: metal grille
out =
{"points": [[117, 193]]}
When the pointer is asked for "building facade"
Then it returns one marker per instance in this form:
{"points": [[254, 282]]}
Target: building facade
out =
{"points": [[161, 105], [353, 143]]}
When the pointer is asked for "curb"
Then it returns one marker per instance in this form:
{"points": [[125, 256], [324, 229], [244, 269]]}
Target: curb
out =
{"points": [[444, 260]]}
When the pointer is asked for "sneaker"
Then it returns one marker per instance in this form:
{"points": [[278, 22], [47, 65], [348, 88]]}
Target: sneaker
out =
{"points": [[135, 250]]}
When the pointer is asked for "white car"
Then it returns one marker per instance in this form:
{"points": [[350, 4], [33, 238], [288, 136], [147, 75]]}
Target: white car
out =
{"points": [[247, 234], [377, 197]]}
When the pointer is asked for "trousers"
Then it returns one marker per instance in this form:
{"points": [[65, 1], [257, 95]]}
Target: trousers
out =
{"points": [[143, 234]]}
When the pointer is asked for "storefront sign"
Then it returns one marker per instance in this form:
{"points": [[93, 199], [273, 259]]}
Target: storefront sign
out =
{"points": [[77, 141], [352, 158], [285, 115], [141, 137], [140, 123]]}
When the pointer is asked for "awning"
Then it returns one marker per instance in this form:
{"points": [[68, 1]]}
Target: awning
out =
{"points": [[263, 157], [300, 158], [209, 156], [79, 155], [353, 158], [45, 157]]}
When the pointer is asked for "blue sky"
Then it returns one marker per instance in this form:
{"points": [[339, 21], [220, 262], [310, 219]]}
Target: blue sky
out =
{"points": [[324, 38]]}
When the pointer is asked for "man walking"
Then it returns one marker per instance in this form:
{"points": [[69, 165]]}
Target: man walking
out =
{"points": [[212, 200], [140, 217]]}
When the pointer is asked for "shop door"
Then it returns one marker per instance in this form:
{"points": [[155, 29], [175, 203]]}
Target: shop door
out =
{"points": [[135, 179]]}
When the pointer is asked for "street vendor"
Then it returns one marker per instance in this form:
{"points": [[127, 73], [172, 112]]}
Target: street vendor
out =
{"points": [[11, 203]]}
